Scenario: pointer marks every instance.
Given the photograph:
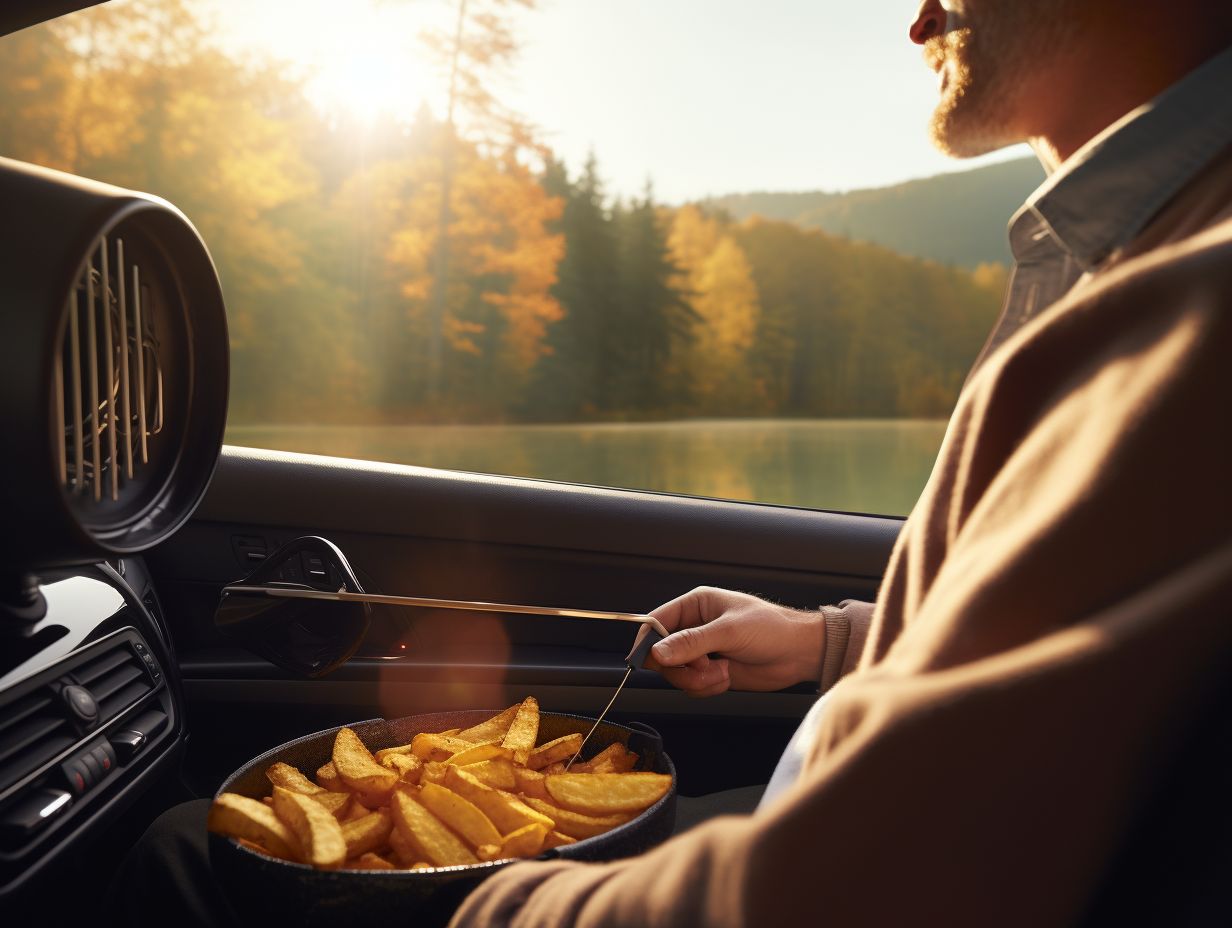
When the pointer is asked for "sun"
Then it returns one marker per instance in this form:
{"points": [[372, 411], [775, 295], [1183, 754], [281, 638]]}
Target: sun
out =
{"points": [[363, 58]]}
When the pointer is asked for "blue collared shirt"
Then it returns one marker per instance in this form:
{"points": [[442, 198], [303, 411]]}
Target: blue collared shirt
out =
{"points": [[1104, 195]]}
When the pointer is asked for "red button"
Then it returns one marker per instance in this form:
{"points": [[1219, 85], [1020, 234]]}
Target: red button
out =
{"points": [[106, 763], [81, 781]]}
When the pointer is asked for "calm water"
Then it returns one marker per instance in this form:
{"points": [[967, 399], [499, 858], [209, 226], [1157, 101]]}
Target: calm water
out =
{"points": [[859, 466]]}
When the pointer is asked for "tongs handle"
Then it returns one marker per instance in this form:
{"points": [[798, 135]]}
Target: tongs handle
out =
{"points": [[647, 638]]}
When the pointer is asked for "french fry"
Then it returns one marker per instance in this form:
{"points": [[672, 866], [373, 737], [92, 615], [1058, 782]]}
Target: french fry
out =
{"points": [[459, 814], [368, 833], [506, 811], [355, 811], [433, 772], [327, 778], [607, 793], [530, 782], [491, 731], [369, 861], [337, 804], [575, 824], [614, 756], [557, 767], [525, 729], [428, 746], [450, 732], [385, 753], [479, 753], [286, 776], [427, 834], [488, 852], [525, 842], [559, 750], [497, 773], [359, 770], [556, 839], [236, 816], [319, 834], [402, 849], [407, 766]]}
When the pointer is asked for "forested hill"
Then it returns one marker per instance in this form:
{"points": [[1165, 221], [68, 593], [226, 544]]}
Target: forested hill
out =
{"points": [[952, 218]]}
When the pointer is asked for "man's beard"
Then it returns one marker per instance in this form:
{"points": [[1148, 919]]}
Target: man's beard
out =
{"points": [[990, 63]]}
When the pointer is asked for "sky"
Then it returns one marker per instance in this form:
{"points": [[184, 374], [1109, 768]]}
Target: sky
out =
{"points": [[701, 97]]}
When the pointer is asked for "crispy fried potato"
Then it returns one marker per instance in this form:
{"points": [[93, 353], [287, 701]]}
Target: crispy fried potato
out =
{"points": [[408, 767], [460, 814], [576, 824], [527, 841], [369, 861], [556, 839], [433, 772], [612, 759], [384, 754], [403, 851], [559, 750], [359, 769], [488, 852], [428, 746], [491, 731], [427, 834], [369, 833], [449, 732], [337, 804], [236, 816], [479, 753], [319, 834], [530, 782], [506, 811], [524, 731], [497, 773], [286, 776], [558, 767], [327, 778], [606, 793], [355, 811]]}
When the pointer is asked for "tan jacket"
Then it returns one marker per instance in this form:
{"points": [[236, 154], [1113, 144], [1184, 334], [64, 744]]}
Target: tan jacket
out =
{"points": [[1057, 601]]}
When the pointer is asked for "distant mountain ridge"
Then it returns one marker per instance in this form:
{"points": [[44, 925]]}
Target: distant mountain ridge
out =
{"points": [[957, 218]]}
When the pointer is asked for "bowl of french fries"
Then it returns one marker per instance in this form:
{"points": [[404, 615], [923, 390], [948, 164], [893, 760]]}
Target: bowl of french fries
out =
{"points": [[393, 818]]}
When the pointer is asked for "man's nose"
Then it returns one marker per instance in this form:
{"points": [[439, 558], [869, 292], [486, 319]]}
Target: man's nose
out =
{"points": [[929, 21]]}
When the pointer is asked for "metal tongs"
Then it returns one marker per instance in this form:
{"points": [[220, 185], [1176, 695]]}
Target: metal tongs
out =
{"points": [[261, 611]]}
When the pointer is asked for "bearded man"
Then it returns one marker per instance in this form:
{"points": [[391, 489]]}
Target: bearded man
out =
{"points": [[994, 735]]}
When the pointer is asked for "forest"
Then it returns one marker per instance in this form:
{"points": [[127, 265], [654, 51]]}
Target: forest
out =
{"points": [[450, 268]]}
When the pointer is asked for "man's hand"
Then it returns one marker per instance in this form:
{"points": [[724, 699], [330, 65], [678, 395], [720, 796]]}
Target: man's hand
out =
{"points": [[760, 645]]}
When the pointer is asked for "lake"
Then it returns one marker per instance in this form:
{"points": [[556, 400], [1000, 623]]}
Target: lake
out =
{"points": [[876, 466]]}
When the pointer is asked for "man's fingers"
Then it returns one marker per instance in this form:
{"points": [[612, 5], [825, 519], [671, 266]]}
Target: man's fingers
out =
{"points": [[689, 644], [700, 677]]}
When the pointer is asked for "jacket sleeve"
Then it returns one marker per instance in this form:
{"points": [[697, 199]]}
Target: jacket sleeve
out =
{"points": [[847, 627]]}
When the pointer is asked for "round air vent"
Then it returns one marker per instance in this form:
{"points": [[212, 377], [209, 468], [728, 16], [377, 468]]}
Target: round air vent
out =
{"points": [[113, 368]]}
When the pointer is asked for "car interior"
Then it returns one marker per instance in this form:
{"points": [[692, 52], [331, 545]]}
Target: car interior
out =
{"points": [[119, 694]]}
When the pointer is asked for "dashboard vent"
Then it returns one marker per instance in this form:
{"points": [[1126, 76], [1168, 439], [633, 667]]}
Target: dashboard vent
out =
{"points": [[116, 679], [109, 380], [33, 730]]}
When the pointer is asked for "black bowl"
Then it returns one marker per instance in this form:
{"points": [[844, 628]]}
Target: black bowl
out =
{"points": [[264, 890]]}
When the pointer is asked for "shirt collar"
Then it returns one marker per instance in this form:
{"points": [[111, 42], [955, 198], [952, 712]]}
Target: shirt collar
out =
{"points": [[1107, 191]]}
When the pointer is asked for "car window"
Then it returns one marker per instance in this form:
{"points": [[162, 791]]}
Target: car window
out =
{"points": [[691, 247]]}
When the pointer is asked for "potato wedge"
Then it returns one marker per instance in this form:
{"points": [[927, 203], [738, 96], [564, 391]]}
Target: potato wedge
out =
{"points": [[506, 811], [576, 824], [428, 746], [236, 816], [530, 782], [491, 731], [459, 814], [369, 861], [558, 767], [527, 841], [355, 811], [319, 834], [369, 833], [407, 766], [607, 793], [433, 772], [427, 834], [359, 769], [556, 839], [286, 776], [337, 804], [478, 753], [559, 750], [327, 778], [524, 731], [614, 756], [497, 773], [385, 753], [488, 852], [404, 853]]}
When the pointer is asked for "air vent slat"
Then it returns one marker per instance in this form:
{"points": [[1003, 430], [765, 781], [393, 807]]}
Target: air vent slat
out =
{"points": [[88, 673], [20, 710], [115, 681], [31, 759], [27, 733], [116, 703]]}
